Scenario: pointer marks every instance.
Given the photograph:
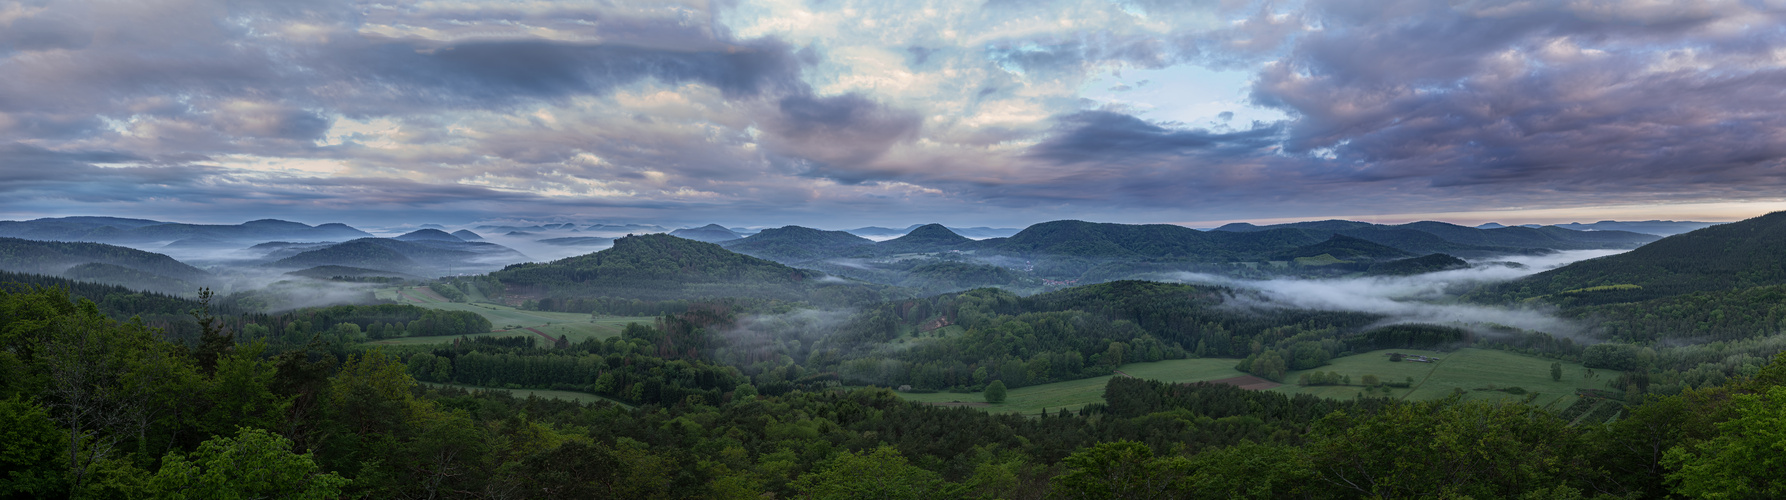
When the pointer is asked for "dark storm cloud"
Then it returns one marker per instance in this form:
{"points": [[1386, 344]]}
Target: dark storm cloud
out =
{"points": [[487, 73], [838, 136], [1483, 98], [1103, 136], [22, 165]]}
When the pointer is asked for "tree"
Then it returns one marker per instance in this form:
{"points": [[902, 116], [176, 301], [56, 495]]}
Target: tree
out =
{"points": [[241, 393], [1442, 448], [99, 388], [1371, 381], [1556, 372], [1744, 460], [995, 392], [252, 464], [881, 473], [213, 342], [1120, 470], [30, 460]]}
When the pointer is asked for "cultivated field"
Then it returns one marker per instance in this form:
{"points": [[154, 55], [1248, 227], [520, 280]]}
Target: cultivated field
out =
{"points": [[508, 321], [1466, 369], [1074, 394]]}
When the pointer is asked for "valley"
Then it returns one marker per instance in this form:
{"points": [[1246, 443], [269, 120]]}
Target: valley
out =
{"points": [[1046, 346]]}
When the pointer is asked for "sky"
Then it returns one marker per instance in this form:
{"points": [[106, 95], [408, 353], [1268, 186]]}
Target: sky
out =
{"points": [[846, 113]]}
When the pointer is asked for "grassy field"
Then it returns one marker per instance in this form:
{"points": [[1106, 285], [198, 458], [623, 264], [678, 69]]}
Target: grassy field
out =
{"points": [[508, 321], [1465, 369], [1074, 394], [580, 397]]}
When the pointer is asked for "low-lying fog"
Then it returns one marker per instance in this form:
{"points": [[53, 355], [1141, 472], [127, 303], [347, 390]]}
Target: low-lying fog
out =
{"points": [[1422, 298]]}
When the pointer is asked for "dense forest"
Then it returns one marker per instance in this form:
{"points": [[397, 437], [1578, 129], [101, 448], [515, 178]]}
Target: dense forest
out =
{"points": [[753, 379], [95, 407]]}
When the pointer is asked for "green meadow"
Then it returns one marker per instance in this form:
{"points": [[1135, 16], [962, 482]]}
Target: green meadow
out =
{"points": [[1465, 369], [1074, 394], [508, 321]]}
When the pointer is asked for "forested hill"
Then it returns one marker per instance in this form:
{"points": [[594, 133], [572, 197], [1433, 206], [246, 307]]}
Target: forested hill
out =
{"points": [[1730, 256], [1144, 241], [1435, 237], [797, 244], [1347, 248], [118, 230], [654, 266], [56, 257], [423, 257], [711, 233], [925, 238]]}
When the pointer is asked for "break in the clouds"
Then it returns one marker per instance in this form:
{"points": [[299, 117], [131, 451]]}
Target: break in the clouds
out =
{"points": [[842, 112]]}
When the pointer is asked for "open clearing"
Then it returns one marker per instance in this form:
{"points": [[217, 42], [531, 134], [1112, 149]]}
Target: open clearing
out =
{"points": [[508, 321], [580, 397], [1466, 369], [1074, 394]]}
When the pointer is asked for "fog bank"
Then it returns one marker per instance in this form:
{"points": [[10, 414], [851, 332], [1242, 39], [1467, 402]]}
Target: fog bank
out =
{"points": [[1422, 298]]}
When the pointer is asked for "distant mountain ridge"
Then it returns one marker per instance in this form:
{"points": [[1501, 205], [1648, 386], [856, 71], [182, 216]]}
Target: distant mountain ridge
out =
{"points": [[1730, 256], [711, 233], [1345, 248], [138, 231], [428, 235], [421, 257], [796, 244], [969, 232], [658, 266], [94, 261], [1428, 237]]}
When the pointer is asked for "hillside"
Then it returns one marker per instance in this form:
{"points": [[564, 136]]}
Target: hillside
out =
{"points": [[109, 274], [1730, 256], [421, 257], [1427, 237], [1417, 265], [116, 230], [711, 233], [54, 257], [656, 266], [926, 238], [1344, 248], [797, 244], [427, 235], [1144, 241]]}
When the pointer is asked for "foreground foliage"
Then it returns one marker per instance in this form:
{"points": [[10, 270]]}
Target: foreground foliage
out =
{"points": [[93, 407]]}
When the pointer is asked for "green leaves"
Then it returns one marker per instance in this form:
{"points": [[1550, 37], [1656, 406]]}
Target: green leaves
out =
{"points": [[879, 474], [31, 459], [1121, 470], [1746, 460], [252, 464], [995, 392]]}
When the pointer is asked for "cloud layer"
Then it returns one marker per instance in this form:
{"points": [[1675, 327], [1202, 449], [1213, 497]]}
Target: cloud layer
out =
{"points": [[843, 112]]}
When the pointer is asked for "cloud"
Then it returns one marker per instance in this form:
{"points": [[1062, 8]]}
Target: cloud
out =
{"points": [[1100, 136], [773, 112], [840, 134], [1423, 298]]}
